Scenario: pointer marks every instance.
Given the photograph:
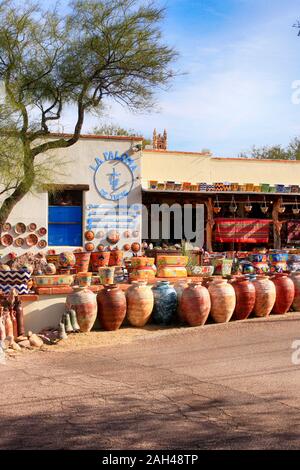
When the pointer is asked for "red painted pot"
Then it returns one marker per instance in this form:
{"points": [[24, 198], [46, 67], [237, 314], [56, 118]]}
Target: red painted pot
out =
{"points": [[285, 292], [111, 307], [116, 258], [296, 302], [99, 259], [82, 262], [245, 298], [195, 304]]}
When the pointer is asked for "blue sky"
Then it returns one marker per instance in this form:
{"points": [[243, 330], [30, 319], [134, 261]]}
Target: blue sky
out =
{"points": [[241, 58]]}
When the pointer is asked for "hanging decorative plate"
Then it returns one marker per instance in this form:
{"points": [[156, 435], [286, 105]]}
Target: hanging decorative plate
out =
{"points": [[42, 244], [135, 234], [31, 239], [89, 235], [19, 242], [6, 240], [101, 234], [6, 227], [42, 231], [113, 237], [127, 234], [89, 246], [20, 228], [32, 227]]}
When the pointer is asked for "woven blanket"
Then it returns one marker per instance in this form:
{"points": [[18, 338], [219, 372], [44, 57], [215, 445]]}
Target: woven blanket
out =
{"points": [[293, 229], [242, 230]]}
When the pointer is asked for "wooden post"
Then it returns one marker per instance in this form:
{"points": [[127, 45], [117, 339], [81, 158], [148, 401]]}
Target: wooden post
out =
{"points": [[277, 224], [209, 224]]}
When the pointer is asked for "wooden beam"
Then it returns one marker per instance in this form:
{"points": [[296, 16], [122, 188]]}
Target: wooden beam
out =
{"points": [[66, 187], [210, 223], [277, 224]]}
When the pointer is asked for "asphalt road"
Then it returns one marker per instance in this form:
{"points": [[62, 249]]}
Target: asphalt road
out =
{"points": [[228, 386]]}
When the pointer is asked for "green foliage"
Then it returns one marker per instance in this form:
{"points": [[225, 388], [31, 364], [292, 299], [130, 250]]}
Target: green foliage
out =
{"points": [[276, 152], [101, 49], [116, 130]]}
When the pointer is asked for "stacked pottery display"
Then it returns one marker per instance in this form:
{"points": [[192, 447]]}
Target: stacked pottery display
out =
{"points": [[296, 302], [179, 287], [141, 269], [265, 296], [245, 297], [83, 301], [165, 303], [111, 307], [285, 293], [195, 304], [222, 297], [140, 301]]}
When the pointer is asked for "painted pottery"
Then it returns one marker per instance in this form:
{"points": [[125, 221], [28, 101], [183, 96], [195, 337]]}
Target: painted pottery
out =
{"points": [[179, 286], [116, 258], [50, 268], [135, 247], [245, 298], [142, 261], [165, 303], [6, 227], [9, 329], [83, 279], [20, 228], [126, 247], [82, 262], [83, 301], [106, 275], [285, 293], [142, 274], [89, 235], [19, 242], [42, 231], [31, 240], [42, 244], [111, 307], [296, 280], [113, 237], [6, 240], [32, 227], [165, 260], [100, 247], [89, 246], [195, 304], [67, 259], [99, 259], [265, 296], [223, 300], [20, 317], [53, 281], [140, 302], [171, 271], [53, 259]]}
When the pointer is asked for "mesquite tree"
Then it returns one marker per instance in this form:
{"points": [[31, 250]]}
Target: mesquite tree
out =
{"points": [[96, 50]]}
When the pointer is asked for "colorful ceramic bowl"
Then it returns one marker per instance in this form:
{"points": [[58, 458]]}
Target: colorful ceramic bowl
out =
{"points": [[6, 240], [89, 235], [42, 231], [32, 227], [19, 242], [20, 228], [54, 281], [32, 240], [42, 244], [67, 259], [6, 227]]}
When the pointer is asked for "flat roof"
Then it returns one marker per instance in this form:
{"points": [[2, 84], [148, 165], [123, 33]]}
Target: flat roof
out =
{"points": [[96, 136]]}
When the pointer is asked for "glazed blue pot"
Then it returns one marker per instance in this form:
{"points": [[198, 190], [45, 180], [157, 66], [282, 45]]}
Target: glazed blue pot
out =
{"points": [[278, 257], [165, 303], [258, 258]]}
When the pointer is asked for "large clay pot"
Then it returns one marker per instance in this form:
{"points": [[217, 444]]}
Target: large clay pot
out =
{"points": [[245, 298], [265, 296], [222, 297], [82, 262], [99, 259], [285, 292], [179, 286], [83, 301], [111, 307], [165, 303], [140, 301], [195, 304], [296, 302]]}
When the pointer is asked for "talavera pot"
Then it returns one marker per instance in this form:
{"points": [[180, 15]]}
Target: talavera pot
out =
{"points": [[222, 297], [296, 302], [83, 301], [195, 304], [111, 307], [265, 296], [165, 303], [245, 298], [140, 301], [285, 292]]}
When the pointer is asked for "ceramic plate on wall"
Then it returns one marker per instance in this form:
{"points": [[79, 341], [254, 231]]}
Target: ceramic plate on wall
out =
{"points": [[6, 240], [31, 239], [19, 242], [6, 227], [42, 244], [20, 228], [42, 231], [32, 227]]}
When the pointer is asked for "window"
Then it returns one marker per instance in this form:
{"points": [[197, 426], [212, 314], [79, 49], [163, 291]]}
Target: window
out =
{"points": [[65, 218]]}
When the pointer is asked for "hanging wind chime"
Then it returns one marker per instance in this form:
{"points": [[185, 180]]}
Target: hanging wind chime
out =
{"points": [[264, 208], [248, 206], [233, 206], [295, 208], [217, 207], [281, 208]]}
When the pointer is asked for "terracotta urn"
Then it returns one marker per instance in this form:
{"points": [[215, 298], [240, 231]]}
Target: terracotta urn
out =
{"points": [[265, 296], [111, 307], [245, 297], [179, 286], [223, 300], [83, 301], [165, 303], [296, 280], [285, 293], [140, 301], [195, 304]]}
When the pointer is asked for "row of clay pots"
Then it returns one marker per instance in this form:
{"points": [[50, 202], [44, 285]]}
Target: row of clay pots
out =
{"points": [[193, 302]]}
